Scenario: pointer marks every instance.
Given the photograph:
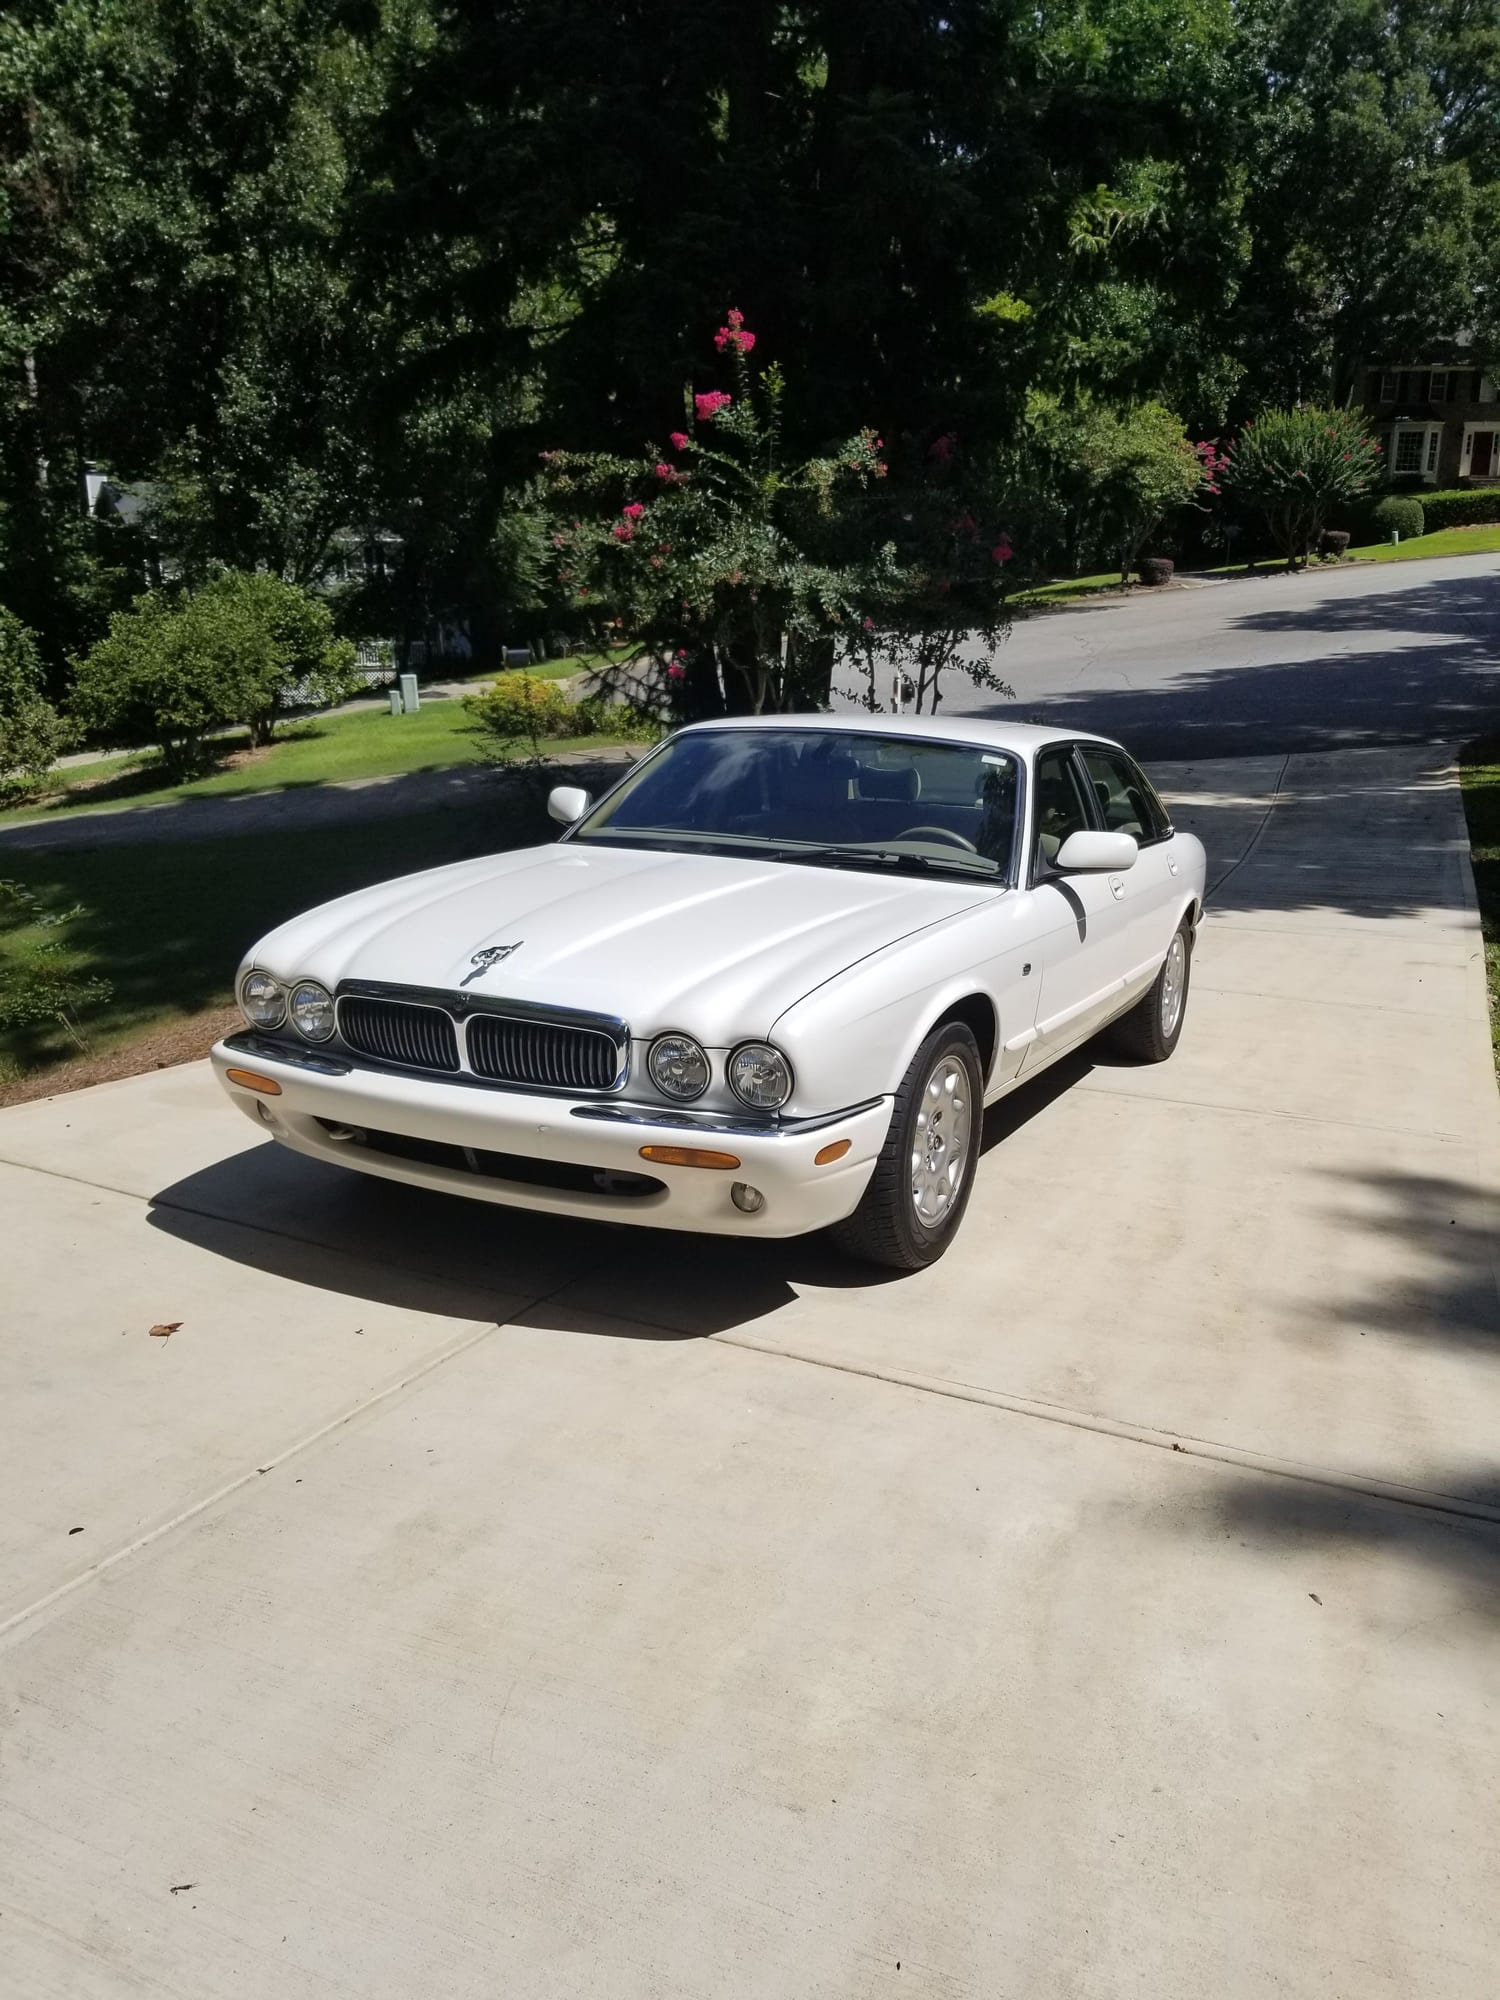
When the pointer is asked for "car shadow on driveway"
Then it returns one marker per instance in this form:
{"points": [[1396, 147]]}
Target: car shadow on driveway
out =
{"points": [[421, 1251]]}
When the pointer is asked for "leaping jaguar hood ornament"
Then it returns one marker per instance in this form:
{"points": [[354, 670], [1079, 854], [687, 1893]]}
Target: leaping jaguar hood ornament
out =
{"points": [[481, 961]]}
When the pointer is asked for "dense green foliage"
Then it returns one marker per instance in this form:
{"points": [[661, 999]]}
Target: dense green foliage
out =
{"points": [[1294, 467], [1399, 514], [315, 281], [1460, 509], [31, 732], [239, 650]]}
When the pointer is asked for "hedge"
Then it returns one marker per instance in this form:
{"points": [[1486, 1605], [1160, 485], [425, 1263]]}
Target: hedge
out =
{"points": [[1464, 509]]}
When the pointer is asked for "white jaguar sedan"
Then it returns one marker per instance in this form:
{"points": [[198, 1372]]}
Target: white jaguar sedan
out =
{"points": [[765, 985]]}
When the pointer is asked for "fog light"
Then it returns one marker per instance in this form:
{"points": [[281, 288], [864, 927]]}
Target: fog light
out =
{"points": [[746, 1198]]}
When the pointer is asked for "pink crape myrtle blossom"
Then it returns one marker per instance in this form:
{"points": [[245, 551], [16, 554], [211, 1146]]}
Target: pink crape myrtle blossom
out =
{"points": [[734, 334], [634, 511], [707, 406], [624, 532], [677, 671], [1002, 551], [679, 440]]}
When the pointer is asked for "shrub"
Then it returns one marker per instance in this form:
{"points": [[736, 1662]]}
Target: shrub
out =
{"points": [[1332, 543], [1465, 509], [1292, 467], [40, 986], [522, 708], [240, 650], [32, 733], [1155, 569], [1397, 513]]}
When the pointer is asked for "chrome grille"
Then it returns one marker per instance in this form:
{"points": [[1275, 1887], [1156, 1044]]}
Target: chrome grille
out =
{"points": [[396, 1031], [510, 1049]]}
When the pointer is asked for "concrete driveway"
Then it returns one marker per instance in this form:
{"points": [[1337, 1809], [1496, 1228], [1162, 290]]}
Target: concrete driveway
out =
{"points": [[469, 1604]]}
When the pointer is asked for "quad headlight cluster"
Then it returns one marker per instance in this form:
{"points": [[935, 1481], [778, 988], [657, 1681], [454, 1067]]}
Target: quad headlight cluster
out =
{"points": [[266, 1003], [759, 1075]]}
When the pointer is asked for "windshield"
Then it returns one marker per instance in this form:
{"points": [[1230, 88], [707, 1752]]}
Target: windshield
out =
{"points": [[835, 798]]}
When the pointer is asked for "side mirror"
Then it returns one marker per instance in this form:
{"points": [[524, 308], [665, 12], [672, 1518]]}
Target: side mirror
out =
{"points": [[1096, 853], [568, 803]]}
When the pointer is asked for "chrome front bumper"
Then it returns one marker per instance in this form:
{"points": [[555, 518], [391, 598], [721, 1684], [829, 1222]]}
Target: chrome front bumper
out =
{"points": [[332, 1109]]}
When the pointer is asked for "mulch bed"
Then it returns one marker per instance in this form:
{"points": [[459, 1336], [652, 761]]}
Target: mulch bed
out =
{"points": [[180, 1042]]}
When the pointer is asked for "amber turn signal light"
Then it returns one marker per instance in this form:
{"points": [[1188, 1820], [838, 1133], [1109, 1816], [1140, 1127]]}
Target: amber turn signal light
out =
{"points": [[826, 1155], [249, 1079], [688, 1156]]}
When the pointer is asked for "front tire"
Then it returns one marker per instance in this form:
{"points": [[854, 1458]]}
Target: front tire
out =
{"points": [[1152, 1028], [920, 1188]]}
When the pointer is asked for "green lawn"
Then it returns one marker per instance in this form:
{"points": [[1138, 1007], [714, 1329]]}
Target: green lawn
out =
{"points": [[365, 744], [1479, 768], [1065, 589], [167, 924], [1481, 541]]}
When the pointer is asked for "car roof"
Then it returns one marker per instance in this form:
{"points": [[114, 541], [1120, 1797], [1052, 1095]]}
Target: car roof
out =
{"points": [[1024, 739]]}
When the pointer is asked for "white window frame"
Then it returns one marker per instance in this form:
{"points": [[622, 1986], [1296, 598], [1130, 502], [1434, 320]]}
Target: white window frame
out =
{"points": [[1428, 452], [1490, 424], [1390, 382], [1487, 389]]}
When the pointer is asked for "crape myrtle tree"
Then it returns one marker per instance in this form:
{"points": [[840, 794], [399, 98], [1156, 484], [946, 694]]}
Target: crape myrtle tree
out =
{"points": [[748, 575], [1294, 467]]}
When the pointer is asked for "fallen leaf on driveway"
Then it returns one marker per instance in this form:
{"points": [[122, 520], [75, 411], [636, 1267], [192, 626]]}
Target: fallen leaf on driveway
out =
{"points": [[177, 1887], [165, 1327], [1315, 1597]]}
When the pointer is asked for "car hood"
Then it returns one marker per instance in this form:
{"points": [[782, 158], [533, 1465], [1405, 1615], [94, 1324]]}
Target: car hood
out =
{"points": [[714, 946]]}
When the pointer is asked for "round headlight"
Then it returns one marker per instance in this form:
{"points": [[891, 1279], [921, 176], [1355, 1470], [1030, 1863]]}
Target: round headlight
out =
{"points": [[262, 1000], [760, 1076], [311, 1009], [678, 1067]]}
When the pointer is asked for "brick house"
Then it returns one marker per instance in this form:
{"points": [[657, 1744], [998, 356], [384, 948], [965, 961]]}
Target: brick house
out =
{"points": [[1438, 420]]}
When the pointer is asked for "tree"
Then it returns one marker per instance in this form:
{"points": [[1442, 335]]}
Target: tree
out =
{"points": [[32, 734], [1292, 466], [1110, 474], [728, 566], [240, 650], [1371, 158]]}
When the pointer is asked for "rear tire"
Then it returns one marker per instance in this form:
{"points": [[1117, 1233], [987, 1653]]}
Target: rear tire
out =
{"points": [[1153, 1027], [910, 1212]]}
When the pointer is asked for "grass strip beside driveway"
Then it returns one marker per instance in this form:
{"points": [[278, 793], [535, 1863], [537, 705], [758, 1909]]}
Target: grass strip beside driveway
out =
{"points": [[368, 743], [1479, 767], [167, 924]]}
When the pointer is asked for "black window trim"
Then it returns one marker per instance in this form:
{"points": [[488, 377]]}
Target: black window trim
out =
{"points": [[1075, 746], [1035, 867], [1115, 750]]}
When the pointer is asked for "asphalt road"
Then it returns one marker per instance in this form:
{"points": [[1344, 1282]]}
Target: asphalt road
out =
{"points": [[1325, 660]]}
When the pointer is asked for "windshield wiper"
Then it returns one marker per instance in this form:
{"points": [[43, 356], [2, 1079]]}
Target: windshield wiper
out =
{"points": [[898, 858]]}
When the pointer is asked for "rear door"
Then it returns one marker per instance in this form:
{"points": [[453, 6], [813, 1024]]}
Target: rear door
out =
{"points": [[1148, 893], [1081, 919]]}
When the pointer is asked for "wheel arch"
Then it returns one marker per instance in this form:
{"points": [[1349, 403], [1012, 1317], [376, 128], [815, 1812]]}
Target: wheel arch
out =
{"points": [[980, 1016]]}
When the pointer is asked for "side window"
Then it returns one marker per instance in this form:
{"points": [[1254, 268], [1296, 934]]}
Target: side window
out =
{"points": [[1059, 803], [1127, 802]]}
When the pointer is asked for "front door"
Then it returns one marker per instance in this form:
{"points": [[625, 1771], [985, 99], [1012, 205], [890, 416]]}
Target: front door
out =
{"points": [[1083, 946], [1482, 455]]}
